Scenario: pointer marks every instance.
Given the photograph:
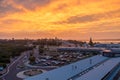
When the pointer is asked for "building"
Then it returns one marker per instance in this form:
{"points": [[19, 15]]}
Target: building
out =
{"points": [[107, 45], [114, 52], [68, 71]]}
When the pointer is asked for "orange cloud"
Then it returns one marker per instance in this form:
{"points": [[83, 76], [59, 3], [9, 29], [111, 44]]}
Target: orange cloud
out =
{"points": [[62, 18]]}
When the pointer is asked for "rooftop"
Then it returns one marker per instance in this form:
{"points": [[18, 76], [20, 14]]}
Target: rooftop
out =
{"points": [[99, 72]]}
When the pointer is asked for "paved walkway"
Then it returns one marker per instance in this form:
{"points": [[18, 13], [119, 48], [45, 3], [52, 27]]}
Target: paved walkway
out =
{"points": [[22, 76]]}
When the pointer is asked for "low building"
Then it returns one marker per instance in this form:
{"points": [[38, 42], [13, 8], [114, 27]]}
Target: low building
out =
{"points": [[114, 52], [107, 45], [68, 71]]}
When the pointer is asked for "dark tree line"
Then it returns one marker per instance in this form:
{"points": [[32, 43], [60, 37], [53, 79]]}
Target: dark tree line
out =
{"points": [[11, 49], [51, 42], [76, 42]]}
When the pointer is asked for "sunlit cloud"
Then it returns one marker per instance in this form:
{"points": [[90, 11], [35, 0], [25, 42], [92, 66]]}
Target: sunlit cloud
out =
{"points": [[67, 19]]}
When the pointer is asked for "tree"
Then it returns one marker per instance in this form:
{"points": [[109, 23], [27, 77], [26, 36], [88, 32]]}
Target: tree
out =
{"points": [[31, 58], [91, 42]]}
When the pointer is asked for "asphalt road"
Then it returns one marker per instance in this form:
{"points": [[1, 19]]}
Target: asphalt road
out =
{"points": [[13, 70]]}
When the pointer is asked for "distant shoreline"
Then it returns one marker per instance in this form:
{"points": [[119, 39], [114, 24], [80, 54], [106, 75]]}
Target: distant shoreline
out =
{"points": [[106, 40]]}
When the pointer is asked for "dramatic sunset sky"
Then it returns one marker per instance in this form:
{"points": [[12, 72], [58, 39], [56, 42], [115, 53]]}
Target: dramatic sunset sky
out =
{"points": [[66, 19]]}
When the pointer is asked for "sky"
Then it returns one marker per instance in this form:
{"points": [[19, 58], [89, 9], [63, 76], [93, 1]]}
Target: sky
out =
{"points": [[66, 19]]}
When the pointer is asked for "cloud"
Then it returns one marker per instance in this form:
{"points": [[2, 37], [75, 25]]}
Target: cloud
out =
{"points": [[81, 18], [91, 17], [14, 6], [12, 21], [9, 25], [26, 34], [32, 4], [7, 8], [61, 7], [105, 35]]}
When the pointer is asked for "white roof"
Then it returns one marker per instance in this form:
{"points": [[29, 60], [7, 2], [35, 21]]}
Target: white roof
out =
{"points": [[65, 72], [99, 72]]}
